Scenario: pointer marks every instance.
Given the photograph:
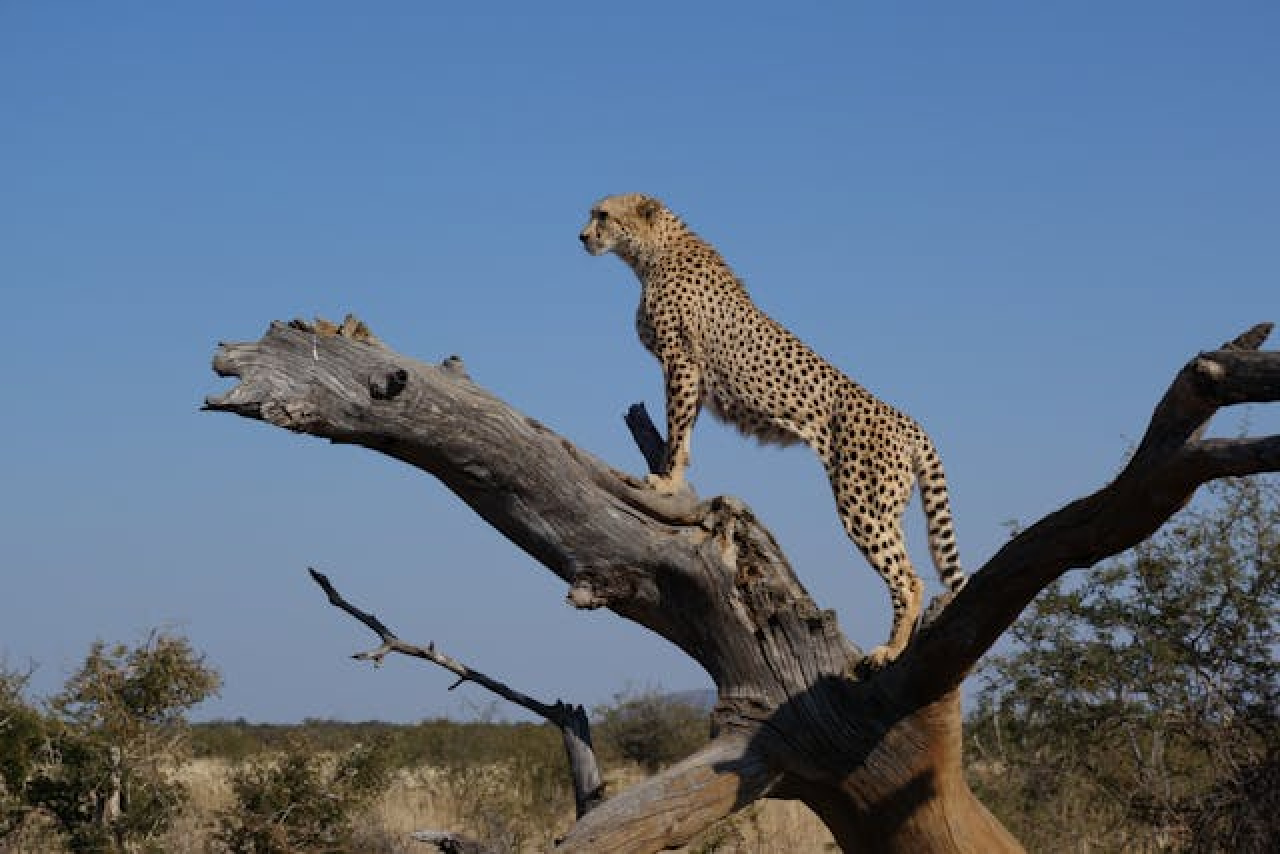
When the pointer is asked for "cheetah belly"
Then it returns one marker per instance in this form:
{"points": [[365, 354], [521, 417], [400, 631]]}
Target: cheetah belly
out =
{"points": [[757, 376], [746, 413]]}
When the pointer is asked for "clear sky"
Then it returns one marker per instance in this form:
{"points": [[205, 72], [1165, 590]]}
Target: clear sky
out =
{"points": [[1013, 220]]}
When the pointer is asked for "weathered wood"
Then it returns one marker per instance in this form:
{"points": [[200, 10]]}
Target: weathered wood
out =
{"points": [[571, 720], [1171, 462], [647, 438], [584, 771], [671, 808], [876, 755]]}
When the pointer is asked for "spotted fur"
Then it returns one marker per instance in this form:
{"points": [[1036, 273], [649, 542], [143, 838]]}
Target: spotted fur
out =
{"points": [[718, 350]]}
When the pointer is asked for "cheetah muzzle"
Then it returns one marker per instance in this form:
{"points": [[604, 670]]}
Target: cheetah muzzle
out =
{"points": [[718, 350]]}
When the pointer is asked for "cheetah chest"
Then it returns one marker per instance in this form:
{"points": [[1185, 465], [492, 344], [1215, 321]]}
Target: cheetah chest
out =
{"points": [[749, 368]]}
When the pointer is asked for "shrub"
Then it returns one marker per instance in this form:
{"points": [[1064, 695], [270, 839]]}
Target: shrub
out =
{"points": [[300, 801], [96, 762], [22, 735], [650, 728], [1140, 708]]}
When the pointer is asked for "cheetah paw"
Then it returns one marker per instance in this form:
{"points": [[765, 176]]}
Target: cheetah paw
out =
{"points": [[665, 484], [878, 658]]}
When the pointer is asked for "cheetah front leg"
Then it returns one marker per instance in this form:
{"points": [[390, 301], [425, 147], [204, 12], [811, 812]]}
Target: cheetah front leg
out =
{"points": [[684, 398]]}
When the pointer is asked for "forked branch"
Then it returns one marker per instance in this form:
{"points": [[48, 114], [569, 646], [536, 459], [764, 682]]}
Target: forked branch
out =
{"points": [[877, 757], [1171, 462], [571, 720]]}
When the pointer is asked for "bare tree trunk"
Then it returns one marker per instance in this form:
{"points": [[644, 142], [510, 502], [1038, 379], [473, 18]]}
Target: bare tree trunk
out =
{"points": [[878, 756]]}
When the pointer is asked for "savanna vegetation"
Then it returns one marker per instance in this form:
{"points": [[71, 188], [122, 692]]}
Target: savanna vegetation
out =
{"points": [[1135, 711], [94, 765], [1139, 710]]}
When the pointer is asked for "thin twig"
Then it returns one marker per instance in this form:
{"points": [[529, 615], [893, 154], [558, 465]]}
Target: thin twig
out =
{"points": [[570, 719], [391, 643]]}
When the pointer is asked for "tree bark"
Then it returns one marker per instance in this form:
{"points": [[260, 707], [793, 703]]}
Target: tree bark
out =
{"points": [[876, 755]]}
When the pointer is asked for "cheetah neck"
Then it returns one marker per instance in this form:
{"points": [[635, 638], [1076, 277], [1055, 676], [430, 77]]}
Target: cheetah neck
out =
{"points": [[654, 262], [644, 261]]}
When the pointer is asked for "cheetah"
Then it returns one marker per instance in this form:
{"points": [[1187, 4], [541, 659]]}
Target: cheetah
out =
{"points": [[718, 350]]}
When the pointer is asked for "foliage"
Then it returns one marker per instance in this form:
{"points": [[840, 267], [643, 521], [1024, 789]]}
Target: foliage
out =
{"points": [[517, 802], [509, 781], [436, 742], [300, 801], [96, 761], [650, 728], [1141, 709], [137, 693], [22, 734]]}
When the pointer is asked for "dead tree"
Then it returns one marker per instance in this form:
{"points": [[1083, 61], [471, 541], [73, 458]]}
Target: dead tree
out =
{"points": [[571, 720], [876, 756]]}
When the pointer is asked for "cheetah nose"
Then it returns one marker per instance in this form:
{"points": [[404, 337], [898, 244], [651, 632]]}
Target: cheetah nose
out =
{"points": [[583, 237]]}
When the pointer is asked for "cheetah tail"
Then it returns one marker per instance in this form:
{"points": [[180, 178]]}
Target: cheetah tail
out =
{"points": [[936, 500]]}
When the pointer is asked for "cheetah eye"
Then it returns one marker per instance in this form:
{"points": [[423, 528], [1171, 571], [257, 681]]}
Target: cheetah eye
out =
{"points": [[602, 216]]}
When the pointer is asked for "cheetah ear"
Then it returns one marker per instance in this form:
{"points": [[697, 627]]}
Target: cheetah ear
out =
{"points": [[648, 208]]}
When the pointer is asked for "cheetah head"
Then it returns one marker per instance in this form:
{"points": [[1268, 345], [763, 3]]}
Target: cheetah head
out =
{"points": [[628, 225]]}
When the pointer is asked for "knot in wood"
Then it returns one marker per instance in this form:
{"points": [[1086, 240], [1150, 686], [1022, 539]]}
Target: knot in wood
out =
{"points": [[453, 365], [389, 385], [1208, 370], [582, 595]]}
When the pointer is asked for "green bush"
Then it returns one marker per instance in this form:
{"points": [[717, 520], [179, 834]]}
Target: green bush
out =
{"points": [[23, 733], [96, 762], [650, 728], [300, 801], [1140, 708]]}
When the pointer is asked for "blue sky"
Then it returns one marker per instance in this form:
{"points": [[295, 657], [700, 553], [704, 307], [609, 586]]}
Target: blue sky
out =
{"points": [[1015, 221]]}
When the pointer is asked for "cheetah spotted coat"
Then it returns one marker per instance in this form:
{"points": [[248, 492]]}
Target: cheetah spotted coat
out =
{"points": [[718, 350]]}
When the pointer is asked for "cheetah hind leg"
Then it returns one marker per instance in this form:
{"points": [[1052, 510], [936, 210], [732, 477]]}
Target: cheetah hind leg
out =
{"points": [[906, 609], [906, 594]]}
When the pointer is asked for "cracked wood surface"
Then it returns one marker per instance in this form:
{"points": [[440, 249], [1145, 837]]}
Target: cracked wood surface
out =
{"points": [[876, 755]]}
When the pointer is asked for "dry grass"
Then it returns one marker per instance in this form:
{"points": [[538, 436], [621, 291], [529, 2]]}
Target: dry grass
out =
{"points": [[486, 803], [37, 835], [490, 804]]}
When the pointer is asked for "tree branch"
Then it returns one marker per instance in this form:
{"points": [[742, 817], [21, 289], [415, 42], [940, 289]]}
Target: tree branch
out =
{"points": [[708, 577], [671, 808], [603, 532], [391, 643], [1171, 462], [878, 757], [571, 720], [647, 438], [1215, 458]]}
